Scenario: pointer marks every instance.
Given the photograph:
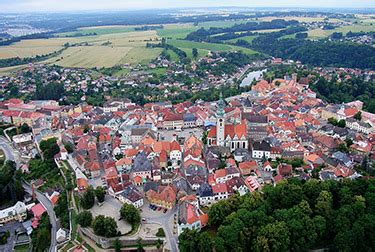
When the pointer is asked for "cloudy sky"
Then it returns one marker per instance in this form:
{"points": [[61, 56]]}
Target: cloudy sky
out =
{"points": [[73, 5]]}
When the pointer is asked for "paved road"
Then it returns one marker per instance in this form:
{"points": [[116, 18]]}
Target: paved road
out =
{"points": [[13, 155], [51, 213], [165, 220]]}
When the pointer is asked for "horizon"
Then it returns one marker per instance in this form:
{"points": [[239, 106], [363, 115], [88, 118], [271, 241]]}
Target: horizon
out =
{"points": [[54, 6]]}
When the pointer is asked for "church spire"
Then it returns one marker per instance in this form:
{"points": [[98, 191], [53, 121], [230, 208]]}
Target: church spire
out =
{"points": [[220, 106]]}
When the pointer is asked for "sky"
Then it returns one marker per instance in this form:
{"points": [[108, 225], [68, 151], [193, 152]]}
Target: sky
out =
{"points": [[81, 5]]}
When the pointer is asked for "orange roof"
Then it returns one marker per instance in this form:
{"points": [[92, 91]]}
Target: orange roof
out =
{"points": [[231, 130], [54, 199], [204, 219], [82, 183], [175, 146], [220, 173], [137, 179]]}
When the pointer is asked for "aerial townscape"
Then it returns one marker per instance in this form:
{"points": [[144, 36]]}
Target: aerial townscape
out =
{"points": [[202, 127]]}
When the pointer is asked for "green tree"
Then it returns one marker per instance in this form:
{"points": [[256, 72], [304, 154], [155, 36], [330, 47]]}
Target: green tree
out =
{"points": [[100, 194], [341, 123], [273, 237], [104, 226], [194, 52], [358, 116], [130, 214], [117, 245], [324, 204], [88, 198], [84, 218]]}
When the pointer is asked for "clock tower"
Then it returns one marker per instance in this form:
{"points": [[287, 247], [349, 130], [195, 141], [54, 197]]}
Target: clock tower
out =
{"points": [[220, 122]]}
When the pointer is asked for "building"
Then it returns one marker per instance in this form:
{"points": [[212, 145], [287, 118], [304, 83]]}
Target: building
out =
{"points": [[131, 195], [189, 214], [233, 136], [261, 150], [165, 196], [18, 212]]}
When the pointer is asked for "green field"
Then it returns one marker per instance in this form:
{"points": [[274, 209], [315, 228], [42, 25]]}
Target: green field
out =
{"points": [[176, 33], [320, 33], [100, 30], [246, 38]]}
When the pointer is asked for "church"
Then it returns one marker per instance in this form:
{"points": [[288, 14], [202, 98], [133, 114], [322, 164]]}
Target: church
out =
{"points": [[232, 136]]}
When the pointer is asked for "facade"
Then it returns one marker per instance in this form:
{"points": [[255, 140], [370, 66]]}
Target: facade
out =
{"points": [[18, 212]]}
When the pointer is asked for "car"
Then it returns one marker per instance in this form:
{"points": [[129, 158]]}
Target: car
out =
{"points": [[150, 206], [165, 210], [159, 208], [143, 219]]}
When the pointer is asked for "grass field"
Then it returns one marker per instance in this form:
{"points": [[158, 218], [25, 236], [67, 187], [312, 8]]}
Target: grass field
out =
{"points": [[246, 38], [100, 30], [320, 33], [204, 48]]}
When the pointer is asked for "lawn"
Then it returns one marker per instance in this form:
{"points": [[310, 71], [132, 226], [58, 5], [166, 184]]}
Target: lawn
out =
{"points": [[199, 45]]}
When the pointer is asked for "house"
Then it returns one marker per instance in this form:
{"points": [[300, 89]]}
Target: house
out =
{"points": [[247, 167], [141, 167], [363, 127], [189, 214], [285, 170], [18, 212], [173, 121], [189, 120], [164, 197], [131, 195], [261, 150]]}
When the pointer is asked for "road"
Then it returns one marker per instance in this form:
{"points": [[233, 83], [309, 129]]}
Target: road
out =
{"points": [[165, 220], [13, 155]]}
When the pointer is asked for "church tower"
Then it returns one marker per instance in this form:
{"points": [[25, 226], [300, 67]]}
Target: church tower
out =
{"points": [[220, 122]]}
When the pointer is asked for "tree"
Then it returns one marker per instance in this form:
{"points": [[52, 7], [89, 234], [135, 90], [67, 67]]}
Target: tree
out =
{"points": [[194, 52], [341, 123], [100, 194], [25, 128], [104, 226], [273, 237], [88, 198], [358, 116], [117, 245], [218, 212], [130, 214], [69, 147], [84, 218], [332, 121]]}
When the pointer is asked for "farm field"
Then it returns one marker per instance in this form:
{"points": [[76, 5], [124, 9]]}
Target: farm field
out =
{"points": [[30, 48], [100, 30], [320, 33], [246, 38]]}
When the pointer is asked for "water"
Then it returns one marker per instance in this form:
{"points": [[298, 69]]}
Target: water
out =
{"points": [[250, 77]]}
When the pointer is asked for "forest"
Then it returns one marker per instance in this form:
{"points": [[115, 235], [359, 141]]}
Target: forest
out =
{"points": [[293, 216]]}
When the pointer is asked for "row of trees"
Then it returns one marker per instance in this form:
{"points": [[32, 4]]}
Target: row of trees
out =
{"points": [[295, 215], [233, 31]]}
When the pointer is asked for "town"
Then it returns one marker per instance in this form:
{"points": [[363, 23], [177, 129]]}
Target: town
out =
{"points": [[129, 173]]}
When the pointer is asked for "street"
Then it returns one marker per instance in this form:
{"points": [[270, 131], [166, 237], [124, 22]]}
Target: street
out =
{"points": [[166, 220], [13, 155]]}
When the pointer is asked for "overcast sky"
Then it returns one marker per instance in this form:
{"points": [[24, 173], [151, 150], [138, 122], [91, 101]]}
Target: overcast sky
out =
{"points": [[74, 5]]}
